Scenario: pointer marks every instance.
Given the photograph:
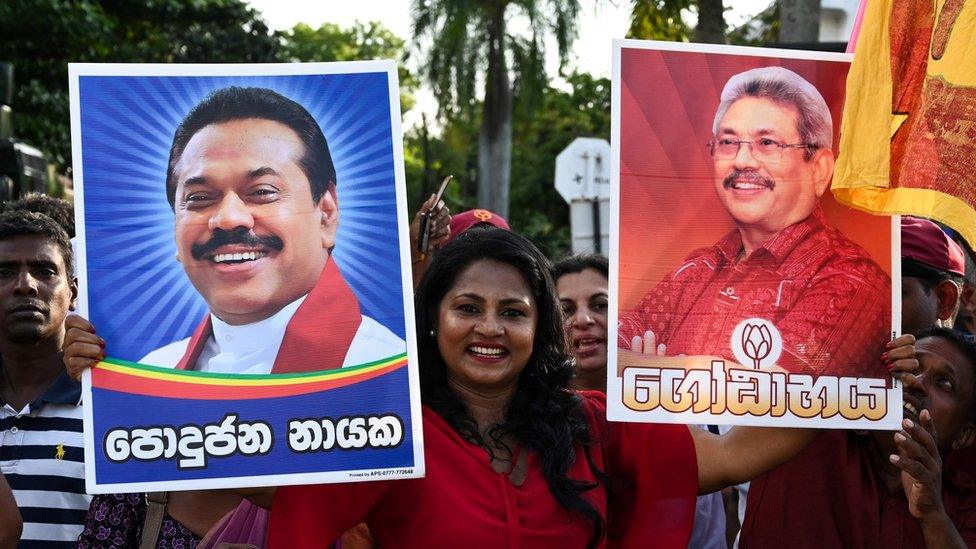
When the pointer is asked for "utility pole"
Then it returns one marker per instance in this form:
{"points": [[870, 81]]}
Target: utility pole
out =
{"points": [[799, 21]]}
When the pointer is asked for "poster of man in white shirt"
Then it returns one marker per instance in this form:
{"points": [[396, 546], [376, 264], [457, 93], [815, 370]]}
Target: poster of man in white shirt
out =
{"points": [[253, 190], [235, 222]]}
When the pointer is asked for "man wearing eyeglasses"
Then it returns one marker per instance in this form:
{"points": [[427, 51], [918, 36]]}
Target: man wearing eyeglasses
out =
{"points": [[823, 299]]}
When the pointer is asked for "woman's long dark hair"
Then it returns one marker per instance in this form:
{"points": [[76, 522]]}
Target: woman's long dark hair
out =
{"points": [[544, 415]]}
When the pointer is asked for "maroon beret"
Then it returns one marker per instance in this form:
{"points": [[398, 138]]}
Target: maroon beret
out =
{"points": [[465, 220], [923, 241]]}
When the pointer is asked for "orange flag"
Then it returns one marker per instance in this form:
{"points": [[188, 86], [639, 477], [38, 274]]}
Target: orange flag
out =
{"points": [[908, 138]]}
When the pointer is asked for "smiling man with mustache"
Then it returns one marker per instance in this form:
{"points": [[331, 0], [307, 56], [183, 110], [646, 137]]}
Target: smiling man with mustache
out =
{"points": [[253, 189], [826, 299]]}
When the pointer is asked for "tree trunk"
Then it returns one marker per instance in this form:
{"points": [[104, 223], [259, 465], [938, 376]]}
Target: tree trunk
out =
{"points": [[711, 22], [799, 21], [495, 137], [425, 140]]}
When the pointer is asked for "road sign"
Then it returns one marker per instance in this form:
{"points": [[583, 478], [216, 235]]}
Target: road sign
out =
{"points": [[583, 180], [583, 170], [587, 218]]}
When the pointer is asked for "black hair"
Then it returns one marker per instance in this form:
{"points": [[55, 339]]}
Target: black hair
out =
{"points": [[236, 103], [928, 276], [544, 414], [968, 254], [578, 263], [16, 223], [58, 209], [965, 347]]}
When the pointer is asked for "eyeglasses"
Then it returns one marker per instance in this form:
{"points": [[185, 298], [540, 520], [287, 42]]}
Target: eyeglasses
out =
{"points": [[763, 149]]}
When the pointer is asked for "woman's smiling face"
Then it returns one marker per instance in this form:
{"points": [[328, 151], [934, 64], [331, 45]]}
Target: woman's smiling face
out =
{"points": [[486, 327]]}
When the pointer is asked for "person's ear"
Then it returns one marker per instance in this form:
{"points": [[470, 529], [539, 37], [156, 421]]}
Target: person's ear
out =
{"points": [[328, 207], [965, 437], [73, 288], [823, 170], [947, 292]]}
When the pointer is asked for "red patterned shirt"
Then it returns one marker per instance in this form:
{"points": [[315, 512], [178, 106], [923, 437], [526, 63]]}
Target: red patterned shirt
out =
{"points": [[827, 298]]}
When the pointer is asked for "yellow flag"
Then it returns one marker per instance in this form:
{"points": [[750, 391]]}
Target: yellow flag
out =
{"points": [[908, 138]]}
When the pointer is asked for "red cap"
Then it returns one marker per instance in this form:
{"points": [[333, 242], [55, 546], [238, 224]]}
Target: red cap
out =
{"points": [[465, 220], [923, 241]]}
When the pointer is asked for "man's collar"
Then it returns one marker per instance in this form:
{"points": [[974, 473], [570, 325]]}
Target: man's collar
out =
{"points": [[731, 246], [786, 240], [305, 336], [249, 338], [64, 390], [780, 245]]}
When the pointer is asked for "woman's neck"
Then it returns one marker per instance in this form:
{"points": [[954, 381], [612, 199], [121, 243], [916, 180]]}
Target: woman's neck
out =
{"points": [[487, 407]]}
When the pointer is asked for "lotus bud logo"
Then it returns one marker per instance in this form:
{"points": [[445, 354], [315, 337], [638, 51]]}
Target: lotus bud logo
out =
{"points": [[756, 343]]}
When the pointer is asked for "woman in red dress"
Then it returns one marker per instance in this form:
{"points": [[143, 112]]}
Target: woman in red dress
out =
{"points": [[514, 456]]}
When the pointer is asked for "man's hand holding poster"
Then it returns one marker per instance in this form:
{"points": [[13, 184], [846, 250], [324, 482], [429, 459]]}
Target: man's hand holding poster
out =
{"points": [[744, 294], [243, 245]]}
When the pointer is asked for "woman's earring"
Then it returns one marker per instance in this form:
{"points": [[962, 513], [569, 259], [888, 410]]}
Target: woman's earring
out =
{"points": [[433, 333]]}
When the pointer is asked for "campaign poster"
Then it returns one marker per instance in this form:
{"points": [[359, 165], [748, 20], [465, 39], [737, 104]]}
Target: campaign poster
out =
{"points": [[743, 293], [243, 250]]}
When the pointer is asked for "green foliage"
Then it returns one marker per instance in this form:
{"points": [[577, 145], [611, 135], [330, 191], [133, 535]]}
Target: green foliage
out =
{"points": [[452, 151], [542, 129], [660, 20], [760, 30], [41, 36], [538, 211], [465, 43], [665, 20], [454, 36], [330, 42]]}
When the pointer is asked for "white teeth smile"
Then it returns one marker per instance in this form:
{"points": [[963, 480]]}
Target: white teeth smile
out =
{"points": [[246, 256], [490, 351], [742, 185], [911, 408]]}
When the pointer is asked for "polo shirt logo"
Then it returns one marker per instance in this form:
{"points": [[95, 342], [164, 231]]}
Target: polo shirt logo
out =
{"points": [[756, 343], [59, 453]]}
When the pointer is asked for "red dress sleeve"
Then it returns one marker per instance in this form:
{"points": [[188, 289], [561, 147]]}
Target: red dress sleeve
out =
{"points": [[317, 515], [654, 471]]}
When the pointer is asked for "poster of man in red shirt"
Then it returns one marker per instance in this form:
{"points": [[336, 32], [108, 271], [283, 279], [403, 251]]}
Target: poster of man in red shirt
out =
{"points": [[745, 293]]}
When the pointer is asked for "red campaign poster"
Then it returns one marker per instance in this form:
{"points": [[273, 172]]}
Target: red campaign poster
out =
{"points": [[743, 292]]}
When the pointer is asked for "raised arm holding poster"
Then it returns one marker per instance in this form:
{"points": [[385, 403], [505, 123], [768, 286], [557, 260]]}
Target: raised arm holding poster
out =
{"points": [[744, 294], [242, 251]]}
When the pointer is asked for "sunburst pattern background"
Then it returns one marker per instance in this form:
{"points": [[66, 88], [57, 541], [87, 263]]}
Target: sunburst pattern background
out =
{"points": [[139, 296]]}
